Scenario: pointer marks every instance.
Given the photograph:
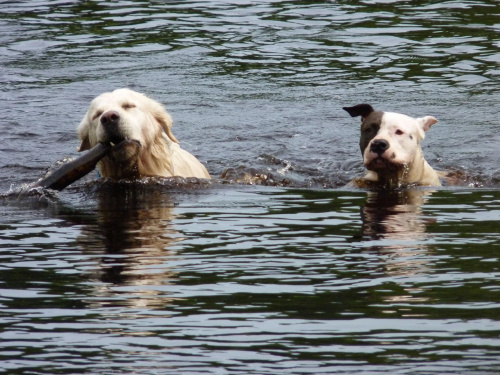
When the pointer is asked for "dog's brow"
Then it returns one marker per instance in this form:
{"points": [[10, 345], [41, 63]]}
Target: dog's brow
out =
{"points": [[127, 105]]}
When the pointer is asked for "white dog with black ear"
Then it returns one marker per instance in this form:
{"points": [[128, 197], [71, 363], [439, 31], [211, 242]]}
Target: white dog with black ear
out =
{"points": [[390, 144], [128, 115]]}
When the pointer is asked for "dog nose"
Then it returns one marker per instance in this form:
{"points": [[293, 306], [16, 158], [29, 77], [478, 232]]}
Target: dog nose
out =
{"points": [[379, 146], [110, 118]]}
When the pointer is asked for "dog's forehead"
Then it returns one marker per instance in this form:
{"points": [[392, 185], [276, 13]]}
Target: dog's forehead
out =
{"points": [[401, 121], [117, 97], [104, 100]]}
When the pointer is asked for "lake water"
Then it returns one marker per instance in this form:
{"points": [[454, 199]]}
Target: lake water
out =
{"points": [[304, 277]]}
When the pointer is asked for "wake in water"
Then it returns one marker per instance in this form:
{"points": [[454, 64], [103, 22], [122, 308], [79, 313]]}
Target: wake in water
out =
{"points": [[275, 172]]}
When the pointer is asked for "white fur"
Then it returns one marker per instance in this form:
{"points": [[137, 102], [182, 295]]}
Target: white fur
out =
{"points": [[404, 135], [146, 121]]}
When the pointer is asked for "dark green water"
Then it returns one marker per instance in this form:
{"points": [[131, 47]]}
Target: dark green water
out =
{"points": [[312, 278], [252, 280]]}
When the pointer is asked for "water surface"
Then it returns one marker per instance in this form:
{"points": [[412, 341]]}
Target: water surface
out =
{"points": [[132, 279], [214, 278]]}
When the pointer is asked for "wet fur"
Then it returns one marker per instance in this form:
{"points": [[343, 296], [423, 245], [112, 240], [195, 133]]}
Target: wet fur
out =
{"points": [[402, 162], [144, 120]]}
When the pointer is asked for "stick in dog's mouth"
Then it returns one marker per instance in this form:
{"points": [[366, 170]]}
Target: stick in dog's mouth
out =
{"points": [[78, 168]]}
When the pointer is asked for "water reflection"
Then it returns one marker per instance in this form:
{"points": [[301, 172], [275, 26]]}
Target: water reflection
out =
{"points": [[395, 214], [132, 235], [394, 219], [265, 273]]}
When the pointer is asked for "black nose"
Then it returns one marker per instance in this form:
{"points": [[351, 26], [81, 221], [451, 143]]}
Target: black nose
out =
{"points": [[110, 118], [379, 146]]}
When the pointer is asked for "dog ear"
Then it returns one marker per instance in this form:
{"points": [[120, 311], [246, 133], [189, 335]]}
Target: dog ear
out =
{"points": [[362, 110], [85, 145], [83, 134], [426, 122], [164, 119]]}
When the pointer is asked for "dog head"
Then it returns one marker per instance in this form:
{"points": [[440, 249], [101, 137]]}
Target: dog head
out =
{"points": [[390, 142], [124, 114]]}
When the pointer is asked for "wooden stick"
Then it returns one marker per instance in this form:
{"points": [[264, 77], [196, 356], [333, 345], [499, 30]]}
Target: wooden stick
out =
{"points": [[75, 169]]}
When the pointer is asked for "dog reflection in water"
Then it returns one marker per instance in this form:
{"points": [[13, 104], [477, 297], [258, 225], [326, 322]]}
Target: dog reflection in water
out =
{"points": [[131, 241], [395, 222]]}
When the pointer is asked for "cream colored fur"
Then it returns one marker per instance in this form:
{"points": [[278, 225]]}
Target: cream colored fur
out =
{"points": [[144, 120]]}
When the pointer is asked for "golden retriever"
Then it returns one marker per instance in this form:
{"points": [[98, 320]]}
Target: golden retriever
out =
{"points": [[128, 115]]}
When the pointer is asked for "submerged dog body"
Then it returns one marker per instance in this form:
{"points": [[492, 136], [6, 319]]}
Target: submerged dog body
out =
{"points": [[128, 115], [390, 144]]}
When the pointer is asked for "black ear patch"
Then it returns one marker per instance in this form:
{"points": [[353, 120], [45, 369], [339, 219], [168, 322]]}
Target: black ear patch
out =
{"points": [[362, 110], [370, 122]]}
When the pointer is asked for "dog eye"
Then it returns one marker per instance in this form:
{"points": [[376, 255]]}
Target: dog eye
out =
{"points": [[128, 106], [399, 132], [96, 115]]}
